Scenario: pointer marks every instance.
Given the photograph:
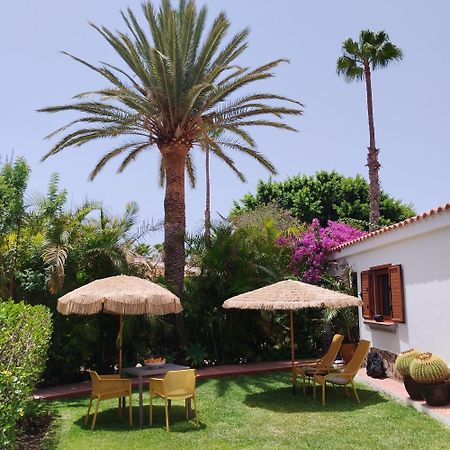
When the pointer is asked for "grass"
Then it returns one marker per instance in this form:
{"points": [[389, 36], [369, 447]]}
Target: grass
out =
{"points": [[257, 412]]}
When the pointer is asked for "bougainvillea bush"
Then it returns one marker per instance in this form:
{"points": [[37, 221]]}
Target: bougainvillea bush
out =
{"points": [[311, 248]]}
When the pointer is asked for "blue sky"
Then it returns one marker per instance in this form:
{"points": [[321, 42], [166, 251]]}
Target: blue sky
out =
{"points": [[411, 98]]}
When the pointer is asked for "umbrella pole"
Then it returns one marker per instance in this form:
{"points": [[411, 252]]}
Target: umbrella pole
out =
{"points": [[120, 343], [121, 400], [291, 314]]}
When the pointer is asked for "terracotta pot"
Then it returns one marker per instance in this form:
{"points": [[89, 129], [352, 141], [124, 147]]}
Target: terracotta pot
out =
{"points": [[413, 388], [435, 394], [346, 351]]}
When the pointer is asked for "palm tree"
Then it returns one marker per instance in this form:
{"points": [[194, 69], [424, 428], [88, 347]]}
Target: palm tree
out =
{"points": [[177, 89], [373, 50], [207, 199]]}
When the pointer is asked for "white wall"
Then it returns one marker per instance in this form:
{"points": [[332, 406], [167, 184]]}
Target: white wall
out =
{"points": [[423, 250]]}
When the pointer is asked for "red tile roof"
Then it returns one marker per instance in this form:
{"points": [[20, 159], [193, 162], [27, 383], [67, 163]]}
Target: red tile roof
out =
{"points": [[394, 226]]}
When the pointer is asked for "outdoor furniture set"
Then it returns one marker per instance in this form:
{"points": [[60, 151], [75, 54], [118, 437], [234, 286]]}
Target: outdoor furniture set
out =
{"points": [[324, 370], [178, 383]]}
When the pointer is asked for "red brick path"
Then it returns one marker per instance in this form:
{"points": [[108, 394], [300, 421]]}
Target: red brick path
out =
{"points": [[232, 370]]}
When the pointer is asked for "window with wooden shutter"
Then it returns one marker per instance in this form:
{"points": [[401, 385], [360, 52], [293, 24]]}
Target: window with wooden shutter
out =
{"points": [[396, 286], [382, 293], [366, 294]]}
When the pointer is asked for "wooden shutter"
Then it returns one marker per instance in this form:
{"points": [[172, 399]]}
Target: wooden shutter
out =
{"points": [[397, 298], [366, 294]]}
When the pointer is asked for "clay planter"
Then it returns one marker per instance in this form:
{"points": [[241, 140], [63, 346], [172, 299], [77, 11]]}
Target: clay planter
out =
{"points": [[346, 351], [412, 388], [436, 394]]}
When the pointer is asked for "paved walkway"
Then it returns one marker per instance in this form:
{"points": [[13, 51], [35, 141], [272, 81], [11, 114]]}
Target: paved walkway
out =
{"points": [[388, 386], [396, 390]]}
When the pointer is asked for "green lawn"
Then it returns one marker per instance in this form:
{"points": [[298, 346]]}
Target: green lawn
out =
{"points": [[257, 412]]}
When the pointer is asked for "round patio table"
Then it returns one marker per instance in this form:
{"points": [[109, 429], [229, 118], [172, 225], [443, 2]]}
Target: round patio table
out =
{"points": [[142, 374]]}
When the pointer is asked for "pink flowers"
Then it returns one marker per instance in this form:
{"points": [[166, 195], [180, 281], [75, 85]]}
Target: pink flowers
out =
{"points": [[311, 248]]}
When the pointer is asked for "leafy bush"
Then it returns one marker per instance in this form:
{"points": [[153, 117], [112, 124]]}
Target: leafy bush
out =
{"points": [[25, 332], [326, 196], [268, 215]]}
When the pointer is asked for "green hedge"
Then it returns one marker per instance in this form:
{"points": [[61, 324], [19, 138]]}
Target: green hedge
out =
{"points": [[25, 333]]}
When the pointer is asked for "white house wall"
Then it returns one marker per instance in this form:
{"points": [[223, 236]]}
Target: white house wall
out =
{"points": [[423, 250]]}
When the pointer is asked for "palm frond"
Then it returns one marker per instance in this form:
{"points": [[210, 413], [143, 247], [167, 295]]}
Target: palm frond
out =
{"points": [[374, 49], [217, 151], [190, 170], [136, 149]]}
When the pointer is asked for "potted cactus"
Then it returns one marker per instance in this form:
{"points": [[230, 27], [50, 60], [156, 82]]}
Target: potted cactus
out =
{"points": [[432, 373], [402, 366]]}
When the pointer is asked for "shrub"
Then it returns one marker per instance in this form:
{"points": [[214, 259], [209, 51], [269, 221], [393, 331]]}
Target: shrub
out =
{"points": [[311, 249], [25, 332]]}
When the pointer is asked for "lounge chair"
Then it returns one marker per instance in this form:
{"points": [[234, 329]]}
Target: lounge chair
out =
{"points": [[322, 365], [345, 375]]}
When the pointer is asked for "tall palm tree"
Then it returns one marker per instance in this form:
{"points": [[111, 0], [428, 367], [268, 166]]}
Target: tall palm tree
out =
{"points": [[373, 50], [206, 148], [177, 86], [207, 198]]}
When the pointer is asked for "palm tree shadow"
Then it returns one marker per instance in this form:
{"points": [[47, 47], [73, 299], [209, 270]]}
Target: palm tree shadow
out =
{"points": [[246, 383], [283, 401]]}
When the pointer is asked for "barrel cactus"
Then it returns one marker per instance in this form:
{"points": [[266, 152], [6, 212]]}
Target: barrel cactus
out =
{"points": [[404, 360], [429, 369]]}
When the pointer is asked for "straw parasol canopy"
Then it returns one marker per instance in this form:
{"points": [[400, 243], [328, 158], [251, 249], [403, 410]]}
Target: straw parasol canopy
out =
{"points": [[120, 295], [291, 295]]}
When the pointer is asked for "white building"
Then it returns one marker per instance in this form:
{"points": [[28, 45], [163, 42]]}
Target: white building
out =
{"points": [[403, 274]]}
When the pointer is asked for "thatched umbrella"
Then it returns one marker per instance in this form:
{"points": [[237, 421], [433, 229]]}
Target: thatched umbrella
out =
{"points": [[121, 294], [290, 295]]}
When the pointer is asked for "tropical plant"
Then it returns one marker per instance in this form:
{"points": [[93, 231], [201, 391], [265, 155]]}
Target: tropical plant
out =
{"points": [[59, 229], [13, 183], [359, 59], [325, 196], [429, 369], [403, 362], [431, 373], [196, 354], [237, 259], [180, 87], [344, 321]]}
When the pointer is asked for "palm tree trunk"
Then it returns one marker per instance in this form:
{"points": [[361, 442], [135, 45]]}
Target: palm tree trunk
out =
{"points": [[372, 155], [208, 201], [174, 158]]}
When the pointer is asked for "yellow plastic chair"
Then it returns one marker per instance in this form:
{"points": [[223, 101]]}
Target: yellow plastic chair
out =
{"points": [[176, 385], [105, 387], [346, 375], [322, 365]]}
